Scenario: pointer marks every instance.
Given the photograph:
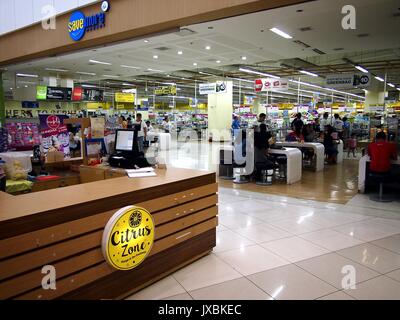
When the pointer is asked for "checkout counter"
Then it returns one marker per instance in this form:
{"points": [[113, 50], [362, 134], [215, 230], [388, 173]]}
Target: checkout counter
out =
{"points": [[64, 227], [318, 148]]}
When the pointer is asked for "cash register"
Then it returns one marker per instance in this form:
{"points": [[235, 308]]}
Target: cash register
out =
{"points": [[126, 152]]}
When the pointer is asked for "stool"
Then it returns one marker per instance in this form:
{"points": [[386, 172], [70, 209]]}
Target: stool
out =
{"points": [[282, 163], [380, 178], [225, 166], [239, 174], [265, 173]]}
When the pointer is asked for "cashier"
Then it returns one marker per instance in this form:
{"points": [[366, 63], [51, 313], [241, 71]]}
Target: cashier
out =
{"points": [[381, 153]]}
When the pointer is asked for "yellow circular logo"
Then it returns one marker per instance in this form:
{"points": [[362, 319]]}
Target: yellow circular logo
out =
{"points": [[128, 238]]}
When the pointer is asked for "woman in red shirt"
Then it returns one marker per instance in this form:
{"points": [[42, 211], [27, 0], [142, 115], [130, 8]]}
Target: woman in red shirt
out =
{"points": [[381, 153]]}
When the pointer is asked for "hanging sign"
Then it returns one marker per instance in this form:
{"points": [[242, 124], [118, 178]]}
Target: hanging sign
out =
{"points": [[165, 91], [213, 88], [124, 97], [348, 81], [41, 93], [128, 238], [268, 84], [77, 94]]}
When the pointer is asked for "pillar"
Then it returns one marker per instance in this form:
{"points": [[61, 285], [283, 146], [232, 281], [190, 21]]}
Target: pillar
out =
{"points": [[2, 102], [220, 110]]}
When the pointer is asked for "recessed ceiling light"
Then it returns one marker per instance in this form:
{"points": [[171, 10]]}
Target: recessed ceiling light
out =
{"points": [[309, 73], [110, 76], [100, 62], [130, 67], [281, 33], [11, 88], [27, 75], [146, 41], [155, 57], [391, 85], [154, 70], [218, 61], [379, 79], [244, 58], [195, 63], [86, 73], [26, 86], [361, 69], [180, 52], [208, 48], [57, 70]]}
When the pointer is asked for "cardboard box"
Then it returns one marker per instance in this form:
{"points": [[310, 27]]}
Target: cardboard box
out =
{"points": [[50, 157], [59, 156]]}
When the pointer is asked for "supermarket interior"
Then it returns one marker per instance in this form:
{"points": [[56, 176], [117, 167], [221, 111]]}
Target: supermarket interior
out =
{"points": [[280, 126]]}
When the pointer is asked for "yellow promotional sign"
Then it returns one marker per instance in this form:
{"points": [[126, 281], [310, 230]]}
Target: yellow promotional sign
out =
{"points": [[124, 97], [128, 238], [165, 91]]}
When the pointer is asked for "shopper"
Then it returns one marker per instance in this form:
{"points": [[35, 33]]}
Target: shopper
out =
{"points": [[346, 128], [297, 123], [317, 126], [309, 133], [235, 123], [330, 145], [261, 144], [338, 125], [295, 136], [166, 125], [352, 145], [149, 126], [381, 153], [130, 123], [124, 123], [262, 119], [142, 133], [325, 122]]}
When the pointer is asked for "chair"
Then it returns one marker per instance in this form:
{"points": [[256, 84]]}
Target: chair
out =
{"points": [[282, 164], [380, 178], [265, 173], [225, 166]]}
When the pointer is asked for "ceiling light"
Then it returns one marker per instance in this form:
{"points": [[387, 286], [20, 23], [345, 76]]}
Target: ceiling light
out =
{"points": [[195, 64], [100, 62], [57, 70], [281, 33], [146, 41], [129, 67], [127, 84], [361, 69], [180, 52], [365, 90], [218, 61], [27, 75], [154, 70], [26, 86], [259, 73], [391, 85], [309, 73], [398, 89], [11, 88], [110, 76], [244, 58], [155, 57], [89, 86], [86, 73], [379, 79], [208, 48]]}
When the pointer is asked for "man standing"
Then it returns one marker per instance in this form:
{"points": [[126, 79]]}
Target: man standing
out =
{"points": [[297, 124], [142, 133], [325, 122], [338, 126]]}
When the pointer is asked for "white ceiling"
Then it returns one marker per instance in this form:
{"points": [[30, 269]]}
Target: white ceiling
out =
{"points": [[232, 38]]}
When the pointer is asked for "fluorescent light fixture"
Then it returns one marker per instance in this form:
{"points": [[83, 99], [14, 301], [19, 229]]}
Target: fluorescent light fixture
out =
{"points": [[309, 73], [100, 62], [57, 70], [244, 80], [127, 84], [110, 76], [361, 69], [195, 64], [244, 58], [208, 48], [129, 67], [180, 52], [391, 85], [259, 73], [281, 33], [206, 74], [218, 61], [379, 79], [86, 73], [27, 75], [365, 90], [154, 70], [155, 56], [398, 89], [89, 86], [169, 83]]}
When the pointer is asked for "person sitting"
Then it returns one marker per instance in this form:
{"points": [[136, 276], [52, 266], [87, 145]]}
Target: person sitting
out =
{"points": [[309, 133], [297, 123], [261, 143], [295, 136], [330, 145], [381, 153]]}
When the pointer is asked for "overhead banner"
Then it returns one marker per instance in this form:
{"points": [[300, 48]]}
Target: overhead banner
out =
{"points": [[55, 136], [348, 81], [93, 95], [58, 93], [41, 93], [124, 97], [213, 88], [268, 84], [165, 91]]}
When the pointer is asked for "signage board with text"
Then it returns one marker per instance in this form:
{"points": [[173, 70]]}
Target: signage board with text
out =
{"points": [[269, 84], [213, 88], [165, 91], [348, 81]]}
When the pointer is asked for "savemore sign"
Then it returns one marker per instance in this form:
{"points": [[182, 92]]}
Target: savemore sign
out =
{"points": [[78, 23]]}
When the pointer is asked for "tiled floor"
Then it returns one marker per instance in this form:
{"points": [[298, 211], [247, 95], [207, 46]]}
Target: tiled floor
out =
{"points": [[281, 247]]}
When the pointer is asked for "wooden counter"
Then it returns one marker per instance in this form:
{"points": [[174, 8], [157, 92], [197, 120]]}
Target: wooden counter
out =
{"points": [[63, 228]]}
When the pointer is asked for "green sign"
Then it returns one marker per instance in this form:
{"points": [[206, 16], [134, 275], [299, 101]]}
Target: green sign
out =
{"points": [[41, 93]]}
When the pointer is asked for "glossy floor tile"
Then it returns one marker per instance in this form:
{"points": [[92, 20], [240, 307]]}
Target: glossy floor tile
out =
{"points": [[291, 283], [331, 240], [182, 296], [227, 240], [373, 257], [297, 226], [294, 249], [394, 275], [205, 272], [380, 288], [238, 220], [339, 295], [251, 259], [332, 268], [238, 289], [162, 289], [262, 232]]}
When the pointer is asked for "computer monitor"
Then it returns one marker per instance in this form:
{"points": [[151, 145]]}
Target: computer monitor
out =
{"points": [[124, 140]]}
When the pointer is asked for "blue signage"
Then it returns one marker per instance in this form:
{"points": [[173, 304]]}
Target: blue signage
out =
{"points": [[78, 23]]}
